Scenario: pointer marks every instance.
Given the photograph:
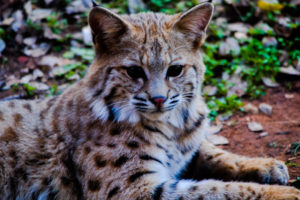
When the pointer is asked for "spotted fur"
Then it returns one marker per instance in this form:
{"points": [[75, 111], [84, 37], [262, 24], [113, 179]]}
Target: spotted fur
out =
{"points": [[107, 138]]}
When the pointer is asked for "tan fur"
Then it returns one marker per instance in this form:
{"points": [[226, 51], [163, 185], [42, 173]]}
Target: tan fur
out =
{"points": [[104, 138]]}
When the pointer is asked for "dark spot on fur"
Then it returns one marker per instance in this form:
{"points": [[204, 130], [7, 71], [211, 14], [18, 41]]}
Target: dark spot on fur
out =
{"points": [[195, 125], [1, 116], [12, 153], [214, 189], [13, 185], [209, 158], [115, 131], [21, 173], [47, 181], [98, 93], [149, 158], [120, 161], [11, 104], [133, 144], [111, 145], [193, 188], [137, 175], [17, 119], [157, 194], [65, 181], [71, 166], [99, 161], [93, 185], [113, 192], [27, 106], [9, 135], [141, 137], [87, 149]]}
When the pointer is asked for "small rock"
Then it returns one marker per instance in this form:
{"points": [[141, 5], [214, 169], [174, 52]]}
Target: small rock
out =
{"points": [[289, 70], [53, 61], [265, 27], [7, 21], [218, 140], [49, 34], [28, 7], [26, 79], [38, 51], [269, 41], [39, 14], [238, 86], [289, 96], [18, 20], [2, 45], [210, 90], [231, 45], [269, 82], [135, 6], [77, 6], [238, 27], [224, 117], [30, 41], [225, 76], [264, 134], [284, 56], [48, 1], [255, 127], [266, 109], [283, 132], [297, 65], [87, 36], [39, 86], [74, 77], [37, 74], [250, 108], [239, 35]]}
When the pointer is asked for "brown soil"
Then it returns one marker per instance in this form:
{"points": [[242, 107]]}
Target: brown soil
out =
{"points": [[283, 128]]}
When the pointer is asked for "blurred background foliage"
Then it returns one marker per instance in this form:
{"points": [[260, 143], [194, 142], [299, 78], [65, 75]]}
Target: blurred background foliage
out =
{"points": [[45, 46]]}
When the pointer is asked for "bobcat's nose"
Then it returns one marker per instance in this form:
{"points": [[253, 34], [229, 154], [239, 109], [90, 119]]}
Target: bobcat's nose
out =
{"points": [[158, 101]]}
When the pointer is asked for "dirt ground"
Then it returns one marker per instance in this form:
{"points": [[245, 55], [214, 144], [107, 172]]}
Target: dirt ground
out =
{"points": [[283, 128]]}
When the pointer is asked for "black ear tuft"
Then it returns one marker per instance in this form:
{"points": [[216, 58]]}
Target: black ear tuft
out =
{"points": [[94, 3]]}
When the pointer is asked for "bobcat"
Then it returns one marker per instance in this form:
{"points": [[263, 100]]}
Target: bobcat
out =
{"points": [[134, 127]]}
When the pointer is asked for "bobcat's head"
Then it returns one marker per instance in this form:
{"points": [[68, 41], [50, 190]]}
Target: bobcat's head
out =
{"points": [[147, 65]]}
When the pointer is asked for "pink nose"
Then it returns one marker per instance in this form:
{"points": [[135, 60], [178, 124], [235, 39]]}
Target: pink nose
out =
{"points": [[158, 101]]}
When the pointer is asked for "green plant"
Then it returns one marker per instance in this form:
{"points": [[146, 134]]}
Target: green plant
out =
{"points": [[33, 25], [261, 61], [54, 91], [30, 90], [121, 5], [2, 33], [295, 147], [169, 6], [225, 105], [86, 54], [55, 23]]}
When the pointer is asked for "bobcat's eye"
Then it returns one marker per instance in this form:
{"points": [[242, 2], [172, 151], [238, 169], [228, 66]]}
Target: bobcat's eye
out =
{"points": [[174, 70], [136, 72]]}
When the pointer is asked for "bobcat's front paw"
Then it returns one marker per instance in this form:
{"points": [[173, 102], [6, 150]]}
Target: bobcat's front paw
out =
{"points": [[264, 170], [283, 193]]}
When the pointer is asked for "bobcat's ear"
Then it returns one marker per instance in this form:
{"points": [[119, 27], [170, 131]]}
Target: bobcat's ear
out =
{"points": [[194, 22], [107, 28]]}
